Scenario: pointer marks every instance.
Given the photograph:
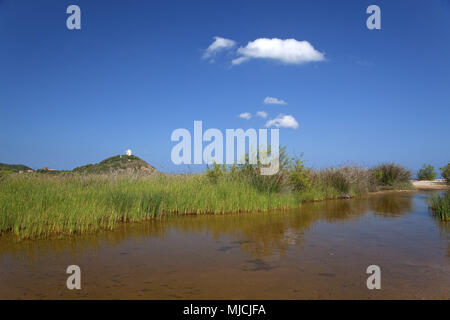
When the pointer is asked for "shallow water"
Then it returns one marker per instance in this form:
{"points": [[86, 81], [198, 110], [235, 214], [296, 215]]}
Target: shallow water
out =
{"points": [[320, 251]]}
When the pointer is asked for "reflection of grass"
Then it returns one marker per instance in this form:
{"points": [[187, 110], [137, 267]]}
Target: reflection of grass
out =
{"points": [[387, 206], [258, 234], [440, 205]]}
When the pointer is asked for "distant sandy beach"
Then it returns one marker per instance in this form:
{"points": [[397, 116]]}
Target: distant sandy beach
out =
{"points": [[438, 184]]}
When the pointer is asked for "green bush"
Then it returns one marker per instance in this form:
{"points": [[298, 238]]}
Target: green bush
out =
{"points": [[298, 176], [445, 173], [426, 173], [215, 172], [391, 175], [264, 183]]}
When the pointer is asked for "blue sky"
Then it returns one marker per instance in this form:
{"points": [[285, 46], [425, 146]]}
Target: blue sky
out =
{"points": [[137, 70]]}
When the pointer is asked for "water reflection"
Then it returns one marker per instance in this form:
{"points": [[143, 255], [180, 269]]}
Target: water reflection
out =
{"points": [[318, 251], [389, 206], [256, 234]]}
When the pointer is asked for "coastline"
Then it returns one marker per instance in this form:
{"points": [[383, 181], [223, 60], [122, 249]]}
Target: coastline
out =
{"points": [[438, 184], [83, 204]]}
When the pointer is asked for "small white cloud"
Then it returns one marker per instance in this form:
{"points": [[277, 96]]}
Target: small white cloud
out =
{"points": [[283, 121], [239, 60], [219, 44], [245, 116], [285, 50], [261, 114], [272, 100]]}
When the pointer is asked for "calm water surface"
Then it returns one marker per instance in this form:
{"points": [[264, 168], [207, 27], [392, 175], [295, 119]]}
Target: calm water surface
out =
{"points": [[320, 251]]}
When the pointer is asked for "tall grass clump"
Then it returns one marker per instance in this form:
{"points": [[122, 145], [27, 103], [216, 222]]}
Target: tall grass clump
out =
{"points": [[251, 173], [346, 181], [35, 205], [440, 205], [39, 205]]}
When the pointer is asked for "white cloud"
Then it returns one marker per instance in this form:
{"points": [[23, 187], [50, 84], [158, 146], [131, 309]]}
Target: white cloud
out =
{"points": [[219, 44], [261, 114], [283, 121], [245, 115], [287, 51], [272, 100], [239, 60]]}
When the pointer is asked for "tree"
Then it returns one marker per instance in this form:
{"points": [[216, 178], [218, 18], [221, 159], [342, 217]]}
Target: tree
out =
{"points": [[445, 173], [426, 173]]}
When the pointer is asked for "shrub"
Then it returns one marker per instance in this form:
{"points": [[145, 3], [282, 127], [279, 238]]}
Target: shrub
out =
{"points": [[298, 176], [359, 179], [426, 173], [338, 180], [215, 173], [264, 183], [391, 175], [332, 182], [376, 177], [445, 173]]}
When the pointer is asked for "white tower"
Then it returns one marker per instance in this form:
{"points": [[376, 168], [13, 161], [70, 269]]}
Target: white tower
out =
{"points": [[128, 152]]}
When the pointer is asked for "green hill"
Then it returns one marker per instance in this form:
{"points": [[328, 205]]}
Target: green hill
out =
{"points": [[117, 164], [13, 167]]}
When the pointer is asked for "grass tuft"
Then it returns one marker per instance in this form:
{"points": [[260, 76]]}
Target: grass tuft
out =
{"points": [[440, 205]]}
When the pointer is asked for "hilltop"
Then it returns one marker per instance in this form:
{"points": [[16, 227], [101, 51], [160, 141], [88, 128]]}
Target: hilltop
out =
{"points": [[117, 164], [13, 167]]}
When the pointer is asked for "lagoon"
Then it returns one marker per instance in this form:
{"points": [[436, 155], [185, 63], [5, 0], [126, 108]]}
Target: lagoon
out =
{"points": [[320, 251]]}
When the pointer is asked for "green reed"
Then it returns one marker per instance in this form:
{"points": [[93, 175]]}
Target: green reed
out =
{"points": [[38, 205], [440, 205]]}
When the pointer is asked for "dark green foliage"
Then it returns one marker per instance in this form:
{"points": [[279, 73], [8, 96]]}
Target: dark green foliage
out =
{"points": [[215, 172], [53, 172], [120, 163], [426, 173], [445, 173], [298, 177], [391, 175], [13, 167]]}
